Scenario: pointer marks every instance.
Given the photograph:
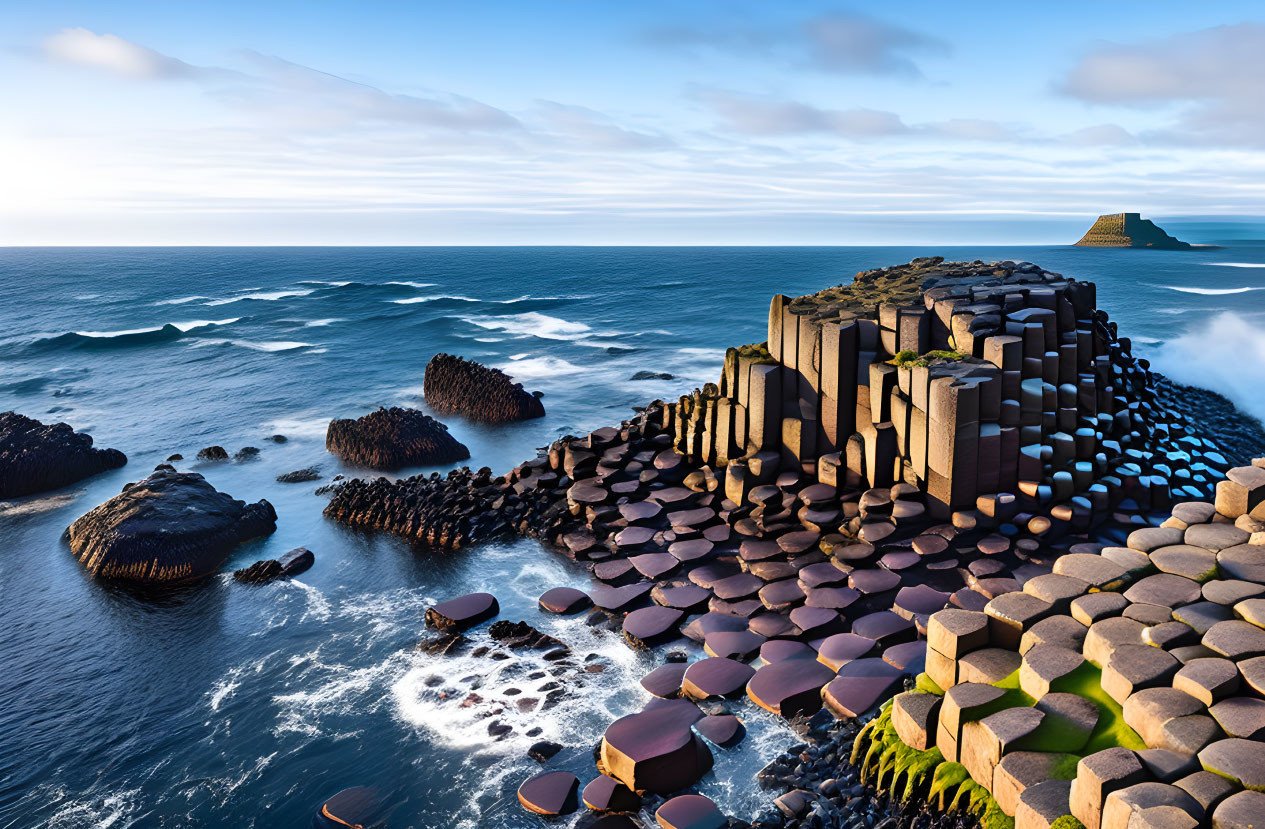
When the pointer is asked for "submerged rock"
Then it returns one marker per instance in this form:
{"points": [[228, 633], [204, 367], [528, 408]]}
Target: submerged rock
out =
{"points": [[172, 526], [290, 564], [35, 457], [300, 476], [393, 438], [454, 385], [213, 453]]}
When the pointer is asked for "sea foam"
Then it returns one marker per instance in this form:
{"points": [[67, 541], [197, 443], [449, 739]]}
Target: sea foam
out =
{"points": [[1225, 353]]}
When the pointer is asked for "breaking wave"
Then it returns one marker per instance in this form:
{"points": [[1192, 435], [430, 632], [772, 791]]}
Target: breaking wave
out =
{"points": [[1226, 353]]}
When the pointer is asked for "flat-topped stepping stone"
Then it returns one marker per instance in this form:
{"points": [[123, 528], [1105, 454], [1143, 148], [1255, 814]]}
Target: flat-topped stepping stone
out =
{"points": [[1131, 668], [1170, 635], [774, 625], [1194, 512], [620, 599], [1243, 562], [1240, 717], [655, 750], [1240, 760], [673, 494], [884, 627], [775, 650], [789, 687], [992, 545], [1242, 810], [1044, 665], [1235, 639], [860, 685], [741, 645], [1058, 590], [1216, 537], [996, 586], [988, 665], [606, 794], [463, 612], [914, 715], [794, 543], [774, 570], [907, 511], [1164, 589], [740, 586], [716, 677], [1010, 614], [853, 553], [690, 518], [823, 574], [691, 550], [984, 567], [873, 532], [756, 550], [1252, 610], [717, 533], [986, 741], [1152, 538], [640, 511], [1098, 606], [1097, 776], [690, 811], [1167, 766], [1043, 804], [1017, 771], [698, 629], [706, 575], [1208, 680], [614, 571], [1108, 634], [1201, 616], [930, 544], [1194, 563], [901, 560], [580, 541], [1063, 631], [1134, 562], [1231, 591], [551, 793], [816, 622], [781, 595], [836, 651], [724, 730], [740, 607], [588, 493], [632, 538], [1092, 569], [650, 625], [870, 582], [565, 600], [834, 598], [1152, 806], [680, 595], [818, 494], [964, 703], [665, 681], [1149, 614], [654, 565], [956, 633], [1150, 710], [967, 599], [910, 657], [919, 602]]}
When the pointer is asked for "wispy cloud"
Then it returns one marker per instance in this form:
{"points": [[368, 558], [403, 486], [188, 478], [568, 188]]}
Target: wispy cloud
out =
{"points": [[113, 54], [1214, 76], [845, 42]]}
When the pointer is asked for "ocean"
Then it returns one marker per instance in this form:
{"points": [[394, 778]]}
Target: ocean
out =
{"points": [[228, 705]]}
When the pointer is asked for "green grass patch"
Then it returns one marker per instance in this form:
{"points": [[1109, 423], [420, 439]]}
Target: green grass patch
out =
{"points": [[927, 685]]}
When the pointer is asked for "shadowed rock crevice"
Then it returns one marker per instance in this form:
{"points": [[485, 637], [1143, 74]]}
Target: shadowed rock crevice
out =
{"points": [[35, 457], [454, 385]]}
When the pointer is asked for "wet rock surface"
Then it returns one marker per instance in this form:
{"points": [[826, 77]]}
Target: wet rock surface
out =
{"points": [[456, 386], [35, 457], [291, 564], [171, 526], [392, 439]]}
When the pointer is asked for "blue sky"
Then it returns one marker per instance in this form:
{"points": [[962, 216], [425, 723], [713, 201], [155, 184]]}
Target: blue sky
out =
{"points": [[602, 123]]}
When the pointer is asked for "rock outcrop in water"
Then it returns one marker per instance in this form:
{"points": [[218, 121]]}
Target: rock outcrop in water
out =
{"points": [[456, 386], [170, 527], [290, 564], [35, 457], [1129, 230], [393, 438]]}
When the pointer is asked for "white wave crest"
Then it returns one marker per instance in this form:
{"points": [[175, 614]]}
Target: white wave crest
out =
{"points": [[1225, 353], [415, 284], [1239, 264], [537, 368], [1211, 291], [416, 299], [322, 323], [264, 296], [533, 324], [186, 327], [279, 345], [180, 300]]}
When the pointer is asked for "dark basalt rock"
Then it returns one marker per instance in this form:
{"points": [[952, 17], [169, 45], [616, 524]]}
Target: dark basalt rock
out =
{"points": [[652, 375], [543, 750], [35, 457], [454, 385], [213, 453], [462, 612], [300, 476], [172, 526], [551, 793], [393, 438], [359, 806], [290, 564], [521, 635]]}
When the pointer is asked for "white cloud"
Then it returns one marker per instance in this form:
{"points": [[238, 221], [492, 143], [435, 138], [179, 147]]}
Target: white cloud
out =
{"points": [[1214, 77], [114, 55]]}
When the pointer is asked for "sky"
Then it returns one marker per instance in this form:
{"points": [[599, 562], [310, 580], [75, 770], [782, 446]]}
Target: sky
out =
{"points": [[622, 123]]}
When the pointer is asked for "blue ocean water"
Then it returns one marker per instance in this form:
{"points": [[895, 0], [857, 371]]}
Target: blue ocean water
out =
{"points": [[231, 705]]}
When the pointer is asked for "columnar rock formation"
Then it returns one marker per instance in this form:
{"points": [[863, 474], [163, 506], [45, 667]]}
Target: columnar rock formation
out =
{"points": [[454, 385], [1123, 686], [1129, 230], [393, 438], [172, 526], [35, 457]]}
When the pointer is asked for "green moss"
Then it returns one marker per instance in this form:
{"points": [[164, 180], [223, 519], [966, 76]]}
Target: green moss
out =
{"points": [[910, 359], [1111, 730], [1067, 822], [927, 685], [757, 353], [1065, 768]]}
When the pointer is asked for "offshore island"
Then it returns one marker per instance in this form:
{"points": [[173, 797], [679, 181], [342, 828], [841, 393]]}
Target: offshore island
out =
{"points": [[991, 567], [1129, 230]]}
